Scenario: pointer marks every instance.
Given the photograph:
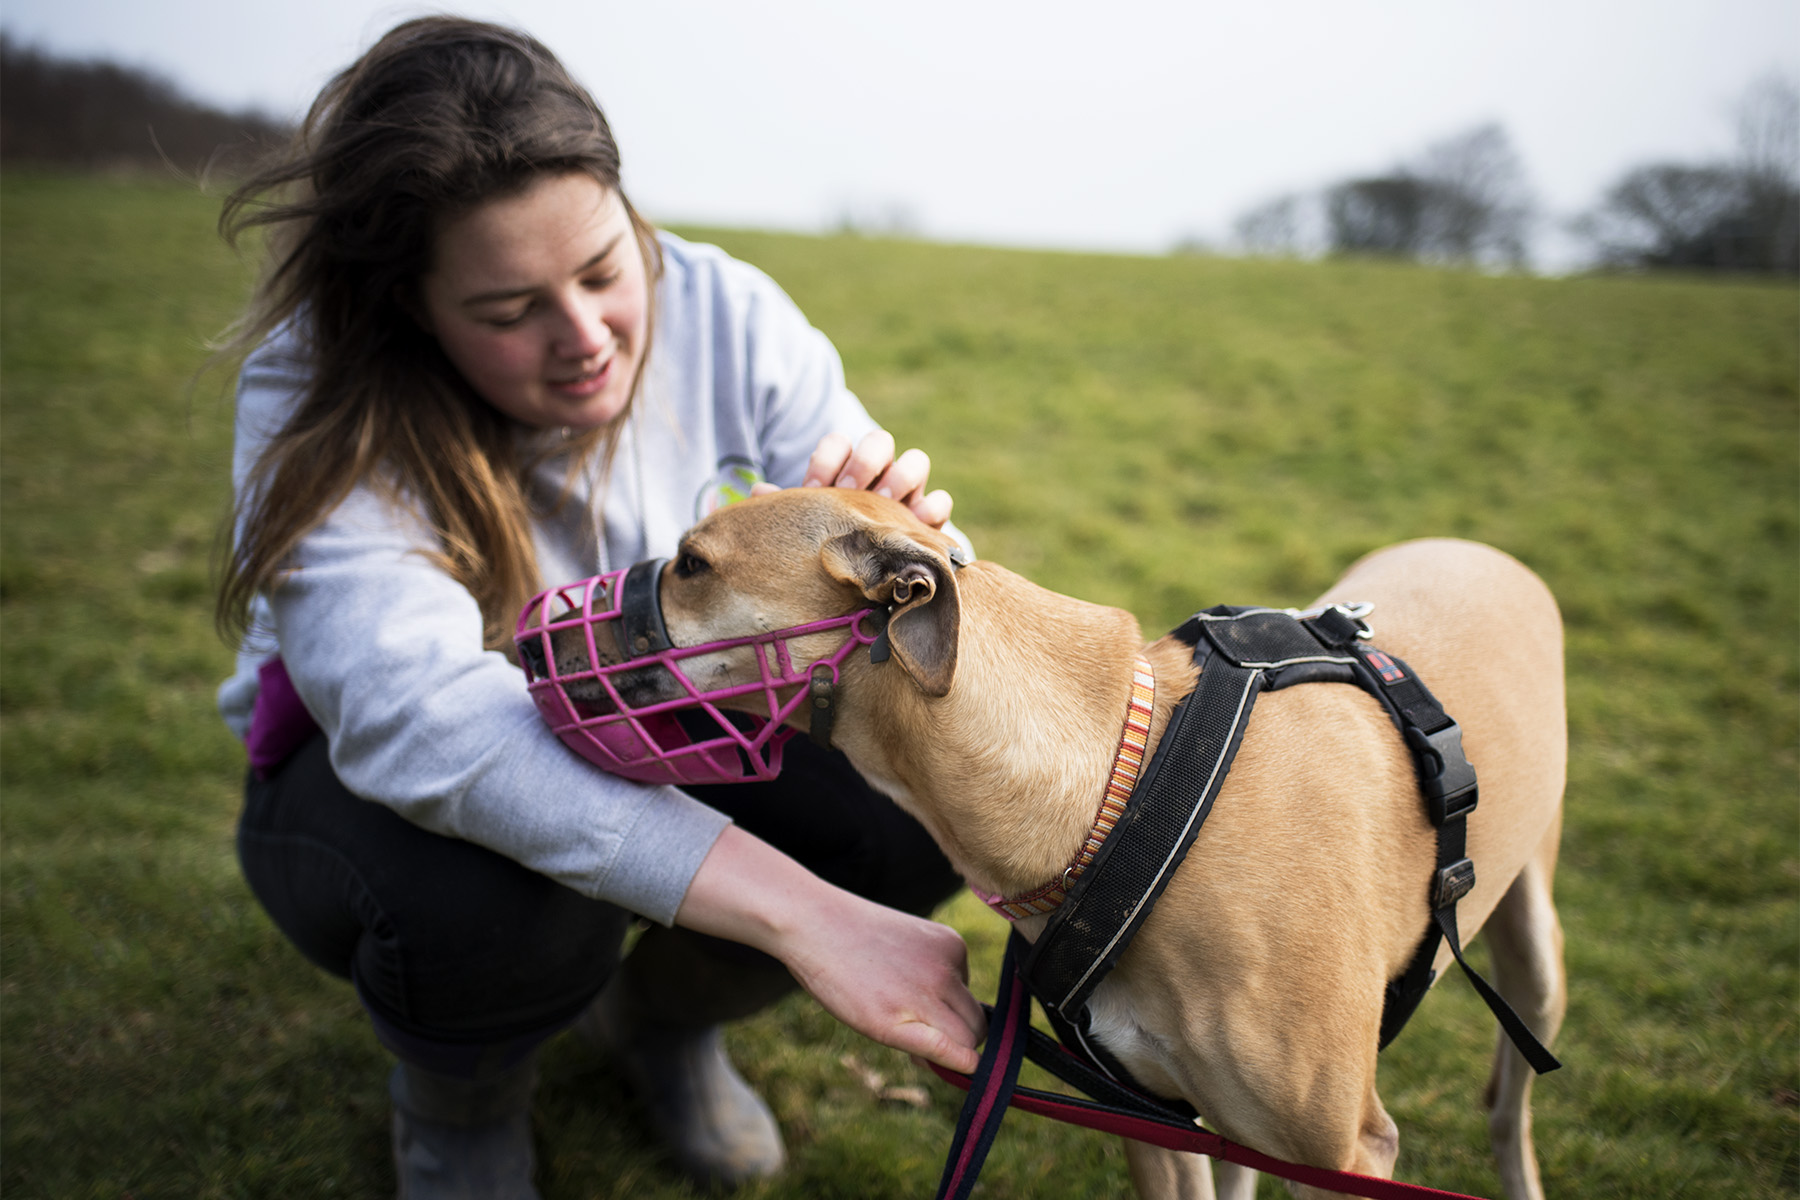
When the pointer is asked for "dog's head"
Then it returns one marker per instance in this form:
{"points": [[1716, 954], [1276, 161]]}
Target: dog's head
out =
{"points": [[800, 555], [763, 600]]}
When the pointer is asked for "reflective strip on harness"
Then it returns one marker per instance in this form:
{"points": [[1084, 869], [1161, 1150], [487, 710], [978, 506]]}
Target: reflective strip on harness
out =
{"points": [[1109, 903]]}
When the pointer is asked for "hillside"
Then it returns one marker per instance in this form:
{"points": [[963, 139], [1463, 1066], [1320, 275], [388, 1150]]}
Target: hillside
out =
{"points": [[1156, 433], [101, 115]]}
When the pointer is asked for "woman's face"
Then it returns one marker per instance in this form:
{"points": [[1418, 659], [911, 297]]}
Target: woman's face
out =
{"points": [[541, 301]]}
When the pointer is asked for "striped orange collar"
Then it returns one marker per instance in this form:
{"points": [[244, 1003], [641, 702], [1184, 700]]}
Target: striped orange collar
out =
{"points": [[1127, 763]]}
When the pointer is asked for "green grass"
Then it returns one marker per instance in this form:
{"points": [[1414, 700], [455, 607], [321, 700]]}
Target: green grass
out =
{"points": [[1160, 434]]}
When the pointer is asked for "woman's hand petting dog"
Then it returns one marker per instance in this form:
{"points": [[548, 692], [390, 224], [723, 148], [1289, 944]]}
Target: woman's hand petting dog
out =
{"points": [[871, 466], [893, 977]]}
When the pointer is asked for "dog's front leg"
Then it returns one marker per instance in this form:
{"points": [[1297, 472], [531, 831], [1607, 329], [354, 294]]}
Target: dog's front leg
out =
{"points": [[1159, 1174], [1233, 1181]]}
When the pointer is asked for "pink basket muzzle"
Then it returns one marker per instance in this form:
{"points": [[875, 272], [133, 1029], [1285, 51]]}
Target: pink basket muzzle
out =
{"points": [[640, 714]]}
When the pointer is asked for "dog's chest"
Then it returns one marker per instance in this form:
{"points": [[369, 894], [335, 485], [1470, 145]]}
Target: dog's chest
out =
{"points": [[1112, 1021]]}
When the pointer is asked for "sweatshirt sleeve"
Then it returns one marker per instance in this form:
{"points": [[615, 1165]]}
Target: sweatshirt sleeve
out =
{"points": [[796, 391], [385, 650]]}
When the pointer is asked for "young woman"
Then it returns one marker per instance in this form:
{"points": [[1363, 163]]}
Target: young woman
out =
{"points": [[476, 372]]}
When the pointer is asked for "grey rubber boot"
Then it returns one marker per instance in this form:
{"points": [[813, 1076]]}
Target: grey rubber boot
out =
{"points": [[457, 1139], [720, 1131]]}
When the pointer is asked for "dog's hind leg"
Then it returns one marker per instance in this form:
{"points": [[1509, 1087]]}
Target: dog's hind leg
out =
{"points": [[1159, 1174], [1525, 943]]}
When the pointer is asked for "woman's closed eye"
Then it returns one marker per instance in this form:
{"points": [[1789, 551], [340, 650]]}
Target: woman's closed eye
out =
{"points": [[507, 320]]}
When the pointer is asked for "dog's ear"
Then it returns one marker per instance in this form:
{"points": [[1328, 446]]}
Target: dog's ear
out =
{"points": [[890, 568]]}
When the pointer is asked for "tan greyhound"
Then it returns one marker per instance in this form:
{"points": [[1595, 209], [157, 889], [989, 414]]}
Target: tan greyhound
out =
{"points": [[1254, 991]]}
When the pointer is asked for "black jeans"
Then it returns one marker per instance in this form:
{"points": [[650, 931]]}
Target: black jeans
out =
{"points": [[455, 948]]}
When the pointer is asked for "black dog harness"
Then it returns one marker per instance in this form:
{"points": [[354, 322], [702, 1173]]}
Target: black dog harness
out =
{"points": [[1241, 653]]}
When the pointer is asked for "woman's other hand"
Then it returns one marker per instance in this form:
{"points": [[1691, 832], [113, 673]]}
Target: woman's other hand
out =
{"points": [[899, 979]]}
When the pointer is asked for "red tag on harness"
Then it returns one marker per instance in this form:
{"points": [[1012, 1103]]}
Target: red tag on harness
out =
{"points": [[1389, 670]]}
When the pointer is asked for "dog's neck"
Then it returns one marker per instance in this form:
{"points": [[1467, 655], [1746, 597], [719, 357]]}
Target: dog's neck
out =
{"points": [[1008, 769]]}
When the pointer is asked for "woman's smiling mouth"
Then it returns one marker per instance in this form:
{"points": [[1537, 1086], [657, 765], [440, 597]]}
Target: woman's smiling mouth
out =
{"points": [[588, 383]]}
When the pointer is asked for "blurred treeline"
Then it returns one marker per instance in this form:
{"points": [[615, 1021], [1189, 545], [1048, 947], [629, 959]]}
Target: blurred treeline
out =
{"points": [[101, 116], [1467, 199]]}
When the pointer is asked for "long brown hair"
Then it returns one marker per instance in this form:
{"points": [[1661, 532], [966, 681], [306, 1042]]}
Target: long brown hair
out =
{"points": [[438, 117]]}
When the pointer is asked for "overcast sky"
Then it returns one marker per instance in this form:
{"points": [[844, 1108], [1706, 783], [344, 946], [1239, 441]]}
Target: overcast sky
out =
{"points": [[1125, 126]]}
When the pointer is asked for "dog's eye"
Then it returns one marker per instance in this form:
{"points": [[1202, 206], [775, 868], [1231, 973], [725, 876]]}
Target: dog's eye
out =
{"points": [[689, 565]]}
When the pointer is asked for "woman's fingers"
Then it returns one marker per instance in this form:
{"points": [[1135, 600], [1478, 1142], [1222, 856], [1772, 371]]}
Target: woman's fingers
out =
{"points": [[866, 464], [932, 508], [870, 465], [891, 976], [827, 461], [904, 477], [896, 978], [922, 1041]]}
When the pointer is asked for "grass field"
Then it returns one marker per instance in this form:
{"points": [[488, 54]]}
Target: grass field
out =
{"points": [[1159, 434]]}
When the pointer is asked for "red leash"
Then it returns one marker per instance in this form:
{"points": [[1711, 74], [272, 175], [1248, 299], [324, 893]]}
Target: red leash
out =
{"points": [[1194, 1140], [993, 1089]]}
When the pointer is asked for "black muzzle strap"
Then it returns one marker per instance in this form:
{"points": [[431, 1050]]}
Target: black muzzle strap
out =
{"points": [[640, 628], [821, 703]]}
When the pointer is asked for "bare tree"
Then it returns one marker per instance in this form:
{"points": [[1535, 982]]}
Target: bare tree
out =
{"points": [[1768, 120], [1383, 215], [1479, 205], [1669, 215], [1741, 215], [1272, 227], [1464, 199]]}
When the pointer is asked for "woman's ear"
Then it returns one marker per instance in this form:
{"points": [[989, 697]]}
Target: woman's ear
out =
{"points": [[919, 587]]}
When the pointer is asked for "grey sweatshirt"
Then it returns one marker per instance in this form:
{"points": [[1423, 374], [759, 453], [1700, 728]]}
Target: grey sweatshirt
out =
{"points": [[385, 649]]}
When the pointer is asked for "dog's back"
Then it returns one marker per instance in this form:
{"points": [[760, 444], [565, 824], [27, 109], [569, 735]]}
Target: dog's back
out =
{"points": [[1484, 634]]}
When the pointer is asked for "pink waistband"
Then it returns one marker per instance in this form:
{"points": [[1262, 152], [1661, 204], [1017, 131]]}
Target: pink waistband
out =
{"points": [[279, 722]]}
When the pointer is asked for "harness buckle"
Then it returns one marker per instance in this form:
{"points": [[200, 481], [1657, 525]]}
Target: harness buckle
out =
{"points": [[1445, 774], [1337, 625], [1452, 883]]}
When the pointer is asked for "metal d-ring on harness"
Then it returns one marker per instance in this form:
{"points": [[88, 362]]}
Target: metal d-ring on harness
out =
{"points": [[1242, 652]]}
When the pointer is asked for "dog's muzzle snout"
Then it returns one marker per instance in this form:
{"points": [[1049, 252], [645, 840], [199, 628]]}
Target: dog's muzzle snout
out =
{"points": [[607, 677]]}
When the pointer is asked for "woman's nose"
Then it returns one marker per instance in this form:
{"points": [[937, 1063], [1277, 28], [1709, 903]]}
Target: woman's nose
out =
{"points": [[584, 332]]}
